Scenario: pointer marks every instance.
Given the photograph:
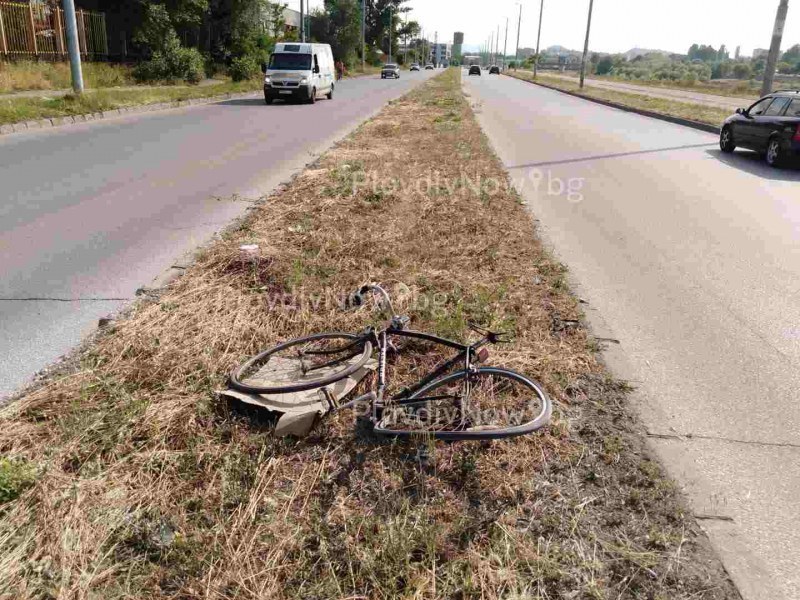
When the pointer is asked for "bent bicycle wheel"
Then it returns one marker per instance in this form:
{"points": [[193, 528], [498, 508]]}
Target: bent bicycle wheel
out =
{"points": [[302, 364], [484, 404]]}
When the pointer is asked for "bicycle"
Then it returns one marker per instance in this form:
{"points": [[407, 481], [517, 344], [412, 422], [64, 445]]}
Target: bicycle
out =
{"points": [[448, 403]]}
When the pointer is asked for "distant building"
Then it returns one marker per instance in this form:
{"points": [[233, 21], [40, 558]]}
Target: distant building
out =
{"points": [[738, 52], [760, 53], [441, 53]]}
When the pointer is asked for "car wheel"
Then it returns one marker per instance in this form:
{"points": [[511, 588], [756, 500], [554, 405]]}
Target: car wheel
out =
{"points": [[329, 95], [313, 97], [726, 143], [775, 154], [267, 99]]}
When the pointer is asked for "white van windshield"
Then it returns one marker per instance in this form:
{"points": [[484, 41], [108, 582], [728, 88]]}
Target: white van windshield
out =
{"points": [[290, 62]]}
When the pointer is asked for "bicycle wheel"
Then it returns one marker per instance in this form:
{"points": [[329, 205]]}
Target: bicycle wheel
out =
{"points": [[487, 403], [303, 364]]}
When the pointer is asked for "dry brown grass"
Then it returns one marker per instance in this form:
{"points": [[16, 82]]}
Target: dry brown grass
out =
{"points": [[147, 487]]}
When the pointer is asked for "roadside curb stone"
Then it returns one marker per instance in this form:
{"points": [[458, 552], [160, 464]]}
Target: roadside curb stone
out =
{"points": [[10, 128]]}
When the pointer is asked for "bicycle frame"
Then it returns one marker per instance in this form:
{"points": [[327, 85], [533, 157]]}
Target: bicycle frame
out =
{"points": [[466, 355]]}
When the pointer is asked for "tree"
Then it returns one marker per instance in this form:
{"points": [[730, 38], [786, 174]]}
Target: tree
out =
{"points": [[792, 55], [742, 71], [377, 22], [723, 53], [338, 23], [605, 65]]}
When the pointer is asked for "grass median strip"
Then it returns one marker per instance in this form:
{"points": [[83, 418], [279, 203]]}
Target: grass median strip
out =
{"points": [[684, 110], [131, 480]]}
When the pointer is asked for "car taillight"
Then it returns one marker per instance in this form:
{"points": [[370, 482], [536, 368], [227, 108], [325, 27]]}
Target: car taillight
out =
{"points": [[796, 137]]}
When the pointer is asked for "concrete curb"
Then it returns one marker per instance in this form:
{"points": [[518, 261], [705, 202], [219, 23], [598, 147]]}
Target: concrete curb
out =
{"points": [[639, 111], [119, 112]]}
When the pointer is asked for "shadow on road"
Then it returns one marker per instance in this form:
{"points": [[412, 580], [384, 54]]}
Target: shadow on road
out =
{"points": [[607, 156], [753, 163], [244, 102]]}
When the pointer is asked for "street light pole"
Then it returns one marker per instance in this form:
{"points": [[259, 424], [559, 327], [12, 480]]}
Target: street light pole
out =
{"points": [[363, 35], [586, 44], [538, 39], [73, 47], [775, 47], [519, 26], [505, 46]]}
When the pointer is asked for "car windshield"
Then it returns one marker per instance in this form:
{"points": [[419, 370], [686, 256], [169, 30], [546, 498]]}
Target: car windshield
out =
{"points": [[390, 66], [293, 62]]}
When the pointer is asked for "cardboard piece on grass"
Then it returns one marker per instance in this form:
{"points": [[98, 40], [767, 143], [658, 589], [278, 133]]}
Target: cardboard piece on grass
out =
{"points": [[299, 410]]}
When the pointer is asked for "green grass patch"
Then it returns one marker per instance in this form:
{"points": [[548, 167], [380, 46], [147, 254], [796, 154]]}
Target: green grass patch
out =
{"points": [[15, 110]]}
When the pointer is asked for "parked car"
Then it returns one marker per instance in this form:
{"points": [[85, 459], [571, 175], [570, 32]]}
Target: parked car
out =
{"points": [[494, 70], [474, 70], [770, 126], [429, 67], [415, 67], [390, 70], [299, 72]]}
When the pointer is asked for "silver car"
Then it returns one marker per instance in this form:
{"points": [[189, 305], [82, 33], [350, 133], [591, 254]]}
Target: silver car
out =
{"points": [[390, 70]]}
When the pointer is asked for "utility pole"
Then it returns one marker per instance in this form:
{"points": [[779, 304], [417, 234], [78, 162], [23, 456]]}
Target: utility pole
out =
{"points": [[363, 35], [405, 54], [538, 39], [519, 26], [586, 44], [497, 44], [72, 44], [505, 46], [775, 48], [491, 47], [390, 35], [302, 22]]}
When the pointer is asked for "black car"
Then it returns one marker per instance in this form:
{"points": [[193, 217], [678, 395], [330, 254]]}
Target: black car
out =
{"points": [[474, 70], [771, 126], [494, 70]]}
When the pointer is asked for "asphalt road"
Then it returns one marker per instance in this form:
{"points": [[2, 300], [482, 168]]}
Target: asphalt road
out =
{"points": [[688, 96], [691, 259], [89, 213]]}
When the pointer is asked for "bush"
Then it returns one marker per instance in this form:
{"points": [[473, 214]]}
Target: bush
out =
{"points": [[15, 477], [244, 67], [172, 63]]}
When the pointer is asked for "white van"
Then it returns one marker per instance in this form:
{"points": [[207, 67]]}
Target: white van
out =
{"points": [[300, 72]]}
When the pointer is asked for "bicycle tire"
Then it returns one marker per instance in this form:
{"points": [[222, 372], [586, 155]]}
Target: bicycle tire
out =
{"points": [[237, 374], [541, 419]]}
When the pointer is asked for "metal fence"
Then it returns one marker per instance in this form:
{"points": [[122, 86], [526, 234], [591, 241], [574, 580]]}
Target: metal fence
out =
{"points": [[37, 30]]}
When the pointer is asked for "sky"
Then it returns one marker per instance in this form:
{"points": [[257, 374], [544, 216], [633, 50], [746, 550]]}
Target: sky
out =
{"points": [[617, 25]]}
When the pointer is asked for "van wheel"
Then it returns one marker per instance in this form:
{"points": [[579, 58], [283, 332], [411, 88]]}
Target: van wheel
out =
{"points": [[267, 99], [313, 97], [329, 95]]}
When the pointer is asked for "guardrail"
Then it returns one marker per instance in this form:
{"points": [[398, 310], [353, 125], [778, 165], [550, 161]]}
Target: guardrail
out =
{"points": [[37, 30]]}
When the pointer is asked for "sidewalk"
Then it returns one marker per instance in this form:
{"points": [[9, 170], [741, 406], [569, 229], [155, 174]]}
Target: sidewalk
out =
{"points": [[727, 102]]}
